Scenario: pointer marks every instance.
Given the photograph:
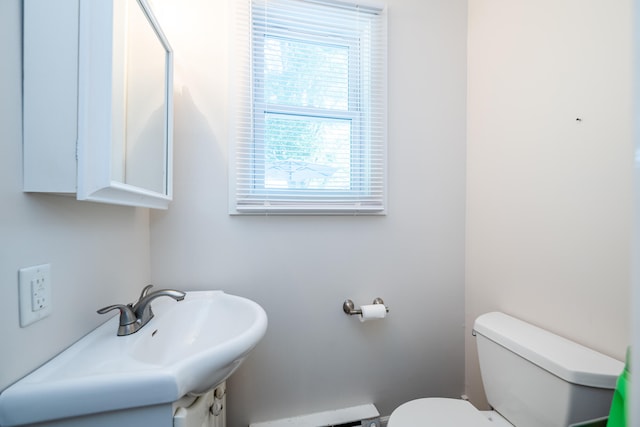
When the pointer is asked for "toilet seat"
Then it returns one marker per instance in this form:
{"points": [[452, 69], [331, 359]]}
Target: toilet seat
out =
{"points": [[437, 412]]}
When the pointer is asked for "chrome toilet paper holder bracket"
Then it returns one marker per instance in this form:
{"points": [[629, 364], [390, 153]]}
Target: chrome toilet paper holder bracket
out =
{"points": [[350, 308]]}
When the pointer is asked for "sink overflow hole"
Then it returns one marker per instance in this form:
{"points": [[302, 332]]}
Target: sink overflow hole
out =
{"points": [[153, 334]]}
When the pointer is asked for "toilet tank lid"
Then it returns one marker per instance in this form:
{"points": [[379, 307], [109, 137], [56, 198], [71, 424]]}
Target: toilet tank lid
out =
{"points": [[564, 358]]}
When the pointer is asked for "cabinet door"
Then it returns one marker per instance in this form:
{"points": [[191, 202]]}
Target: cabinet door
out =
{"points": [[98, 102], [125, 109]]}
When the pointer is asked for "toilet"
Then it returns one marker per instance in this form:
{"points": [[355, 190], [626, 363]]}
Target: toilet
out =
{"points": [[532, 378]]}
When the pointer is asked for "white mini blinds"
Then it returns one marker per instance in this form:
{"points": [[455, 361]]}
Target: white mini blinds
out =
{"points": [[309, 110]]}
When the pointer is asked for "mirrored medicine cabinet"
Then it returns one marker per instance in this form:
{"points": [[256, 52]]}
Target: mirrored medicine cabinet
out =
{"points": [[98, 104]]}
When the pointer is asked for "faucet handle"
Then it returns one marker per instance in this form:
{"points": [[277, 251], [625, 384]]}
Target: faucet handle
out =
{"points": [[144, 292], [127, 316], [128, 320]]}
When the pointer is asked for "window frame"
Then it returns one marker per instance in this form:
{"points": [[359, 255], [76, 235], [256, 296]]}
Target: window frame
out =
{"points": [[253, 195]]}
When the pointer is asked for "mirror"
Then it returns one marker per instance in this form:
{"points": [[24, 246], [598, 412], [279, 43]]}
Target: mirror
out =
{"points": [[133, 78], [139, 152]]}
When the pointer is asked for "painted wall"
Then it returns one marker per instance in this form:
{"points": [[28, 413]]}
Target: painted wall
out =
{"points": [[99, 254], [549, 202], [549, 197], [301, 269]]}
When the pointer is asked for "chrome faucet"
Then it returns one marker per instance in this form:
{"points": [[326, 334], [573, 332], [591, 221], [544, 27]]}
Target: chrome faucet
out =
{"points": [[135, 315], [142, 309]]}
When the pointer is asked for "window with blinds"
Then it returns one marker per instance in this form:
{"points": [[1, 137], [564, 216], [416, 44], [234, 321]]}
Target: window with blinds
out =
{"points": [[309, 98]]}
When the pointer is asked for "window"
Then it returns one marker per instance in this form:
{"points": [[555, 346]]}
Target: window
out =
{"points": [[309, 130]]}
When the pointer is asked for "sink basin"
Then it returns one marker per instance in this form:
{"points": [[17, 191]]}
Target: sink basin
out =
{"points": [[189, 347]]}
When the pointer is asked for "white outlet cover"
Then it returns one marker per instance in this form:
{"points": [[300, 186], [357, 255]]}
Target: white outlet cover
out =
{"points": [[40, 274]]}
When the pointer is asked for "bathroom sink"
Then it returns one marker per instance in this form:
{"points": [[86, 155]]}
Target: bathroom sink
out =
{"points": [[189, 347]]}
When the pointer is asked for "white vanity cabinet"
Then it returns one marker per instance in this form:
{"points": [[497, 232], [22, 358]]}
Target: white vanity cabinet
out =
{"points": [[98, 105]]}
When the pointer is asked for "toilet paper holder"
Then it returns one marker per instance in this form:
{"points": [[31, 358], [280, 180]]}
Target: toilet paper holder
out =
{"points": [[350, 308]]}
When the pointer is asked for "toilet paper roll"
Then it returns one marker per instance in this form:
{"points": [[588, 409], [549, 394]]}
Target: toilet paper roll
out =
{"points": [[373, 311]]}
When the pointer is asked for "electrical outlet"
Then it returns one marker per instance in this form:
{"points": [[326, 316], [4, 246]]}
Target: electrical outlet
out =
{"points": [[34, 285]]}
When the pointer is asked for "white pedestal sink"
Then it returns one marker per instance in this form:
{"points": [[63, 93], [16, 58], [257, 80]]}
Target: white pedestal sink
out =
{"points": [[189, 347]]}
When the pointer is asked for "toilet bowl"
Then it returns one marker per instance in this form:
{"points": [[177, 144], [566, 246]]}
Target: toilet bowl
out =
{"points": [[444, 412], [532, 378], [438, 411]]}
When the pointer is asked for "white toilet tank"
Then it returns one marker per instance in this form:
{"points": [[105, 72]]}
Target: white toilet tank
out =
{"points": [[535, 378]]}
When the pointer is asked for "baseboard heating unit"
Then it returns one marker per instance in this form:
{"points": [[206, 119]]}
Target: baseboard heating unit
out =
{"points": [[355, 416]]}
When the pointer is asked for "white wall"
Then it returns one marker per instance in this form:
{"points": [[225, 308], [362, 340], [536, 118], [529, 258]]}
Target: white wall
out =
{"points": [[548, 209], [99, 254], [549, 198], [301, 269]]}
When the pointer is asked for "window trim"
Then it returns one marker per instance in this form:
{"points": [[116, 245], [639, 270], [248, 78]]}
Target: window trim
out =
{"points": [[251, 196]]}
